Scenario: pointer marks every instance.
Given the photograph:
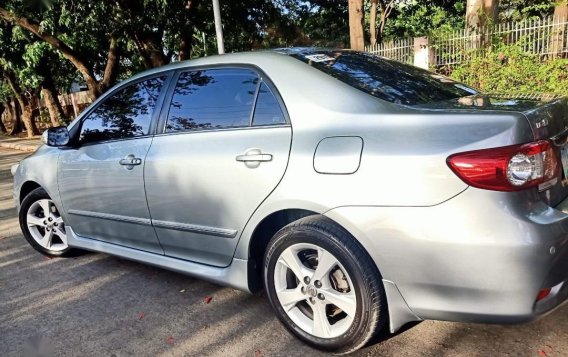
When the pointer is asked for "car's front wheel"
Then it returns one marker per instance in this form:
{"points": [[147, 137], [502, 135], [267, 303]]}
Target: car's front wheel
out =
{"points": [[323, 285], [42, 224]]}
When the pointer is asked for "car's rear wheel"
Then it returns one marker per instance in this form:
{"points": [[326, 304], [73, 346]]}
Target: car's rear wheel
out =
{"points": [[323, 285], [42, 224]]}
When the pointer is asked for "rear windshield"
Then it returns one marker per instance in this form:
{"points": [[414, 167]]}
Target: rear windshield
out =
{"points": [[385, 79]]}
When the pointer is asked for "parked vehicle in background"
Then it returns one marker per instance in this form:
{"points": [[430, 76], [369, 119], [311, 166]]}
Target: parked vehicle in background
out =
{"points": [[358, 192]]}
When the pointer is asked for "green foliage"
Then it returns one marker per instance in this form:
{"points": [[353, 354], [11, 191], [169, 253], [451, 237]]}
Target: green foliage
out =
{"points": [[5, 92], [309, 23], [419, 18], [516, 10], [508, 69]]}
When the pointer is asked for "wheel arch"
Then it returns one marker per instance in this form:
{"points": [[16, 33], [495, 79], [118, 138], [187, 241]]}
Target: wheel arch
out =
{"points": [[26, 188], [260, 237], [399, 313], [267, 228]]}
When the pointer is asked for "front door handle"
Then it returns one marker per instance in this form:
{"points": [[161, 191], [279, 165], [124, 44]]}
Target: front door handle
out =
{"points": [[253, 157], [130, 161]]}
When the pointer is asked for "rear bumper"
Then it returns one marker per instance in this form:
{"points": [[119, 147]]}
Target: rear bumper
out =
{"points": [[482, 256]]}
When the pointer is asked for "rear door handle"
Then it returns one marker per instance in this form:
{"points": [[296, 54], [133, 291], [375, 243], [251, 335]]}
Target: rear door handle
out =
{"points": [[130, 161], [253, 157]]}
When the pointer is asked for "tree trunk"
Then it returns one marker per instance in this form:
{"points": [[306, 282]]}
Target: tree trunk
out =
{"points": [[55, 113], [111, 68], [373, 22], [480, 13], [51, 98], [16, 122], [356, 17], [558, 34], [185, 43], [2, 127], [150, 48], [25, 104], [27, 119]]}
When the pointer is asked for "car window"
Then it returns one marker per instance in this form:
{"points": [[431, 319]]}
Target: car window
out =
{"points": [[125, 114], [267, 110], [385, 79], [212, 99]]}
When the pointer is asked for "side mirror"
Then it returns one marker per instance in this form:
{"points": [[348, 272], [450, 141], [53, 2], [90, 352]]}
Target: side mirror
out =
{"points": [[58, 136]]}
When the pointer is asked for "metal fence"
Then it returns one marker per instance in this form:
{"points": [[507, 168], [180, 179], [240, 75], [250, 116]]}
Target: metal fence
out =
{"points": [[399, 50], [544, 37]]}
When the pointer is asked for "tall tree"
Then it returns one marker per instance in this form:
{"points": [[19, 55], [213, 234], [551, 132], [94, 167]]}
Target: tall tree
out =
{"points": [[79, 31], [356, 19], [557, 39], [480, 13], [561, 11], [2, 127], [373, 21], [23, 101]]}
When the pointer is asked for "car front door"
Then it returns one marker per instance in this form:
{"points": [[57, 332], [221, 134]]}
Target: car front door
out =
{"points": [[101, 180], [224, 148]]}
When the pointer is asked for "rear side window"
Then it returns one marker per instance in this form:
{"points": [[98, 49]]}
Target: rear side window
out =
{"points": [[267, 110], [125, 114], [385, 79], [212, 99]]}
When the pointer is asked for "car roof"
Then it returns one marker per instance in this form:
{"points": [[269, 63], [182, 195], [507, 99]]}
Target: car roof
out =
{"points": [[251, 57]]}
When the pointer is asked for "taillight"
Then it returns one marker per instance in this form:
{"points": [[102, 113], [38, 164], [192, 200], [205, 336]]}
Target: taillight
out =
{"points": [[509, 168]]}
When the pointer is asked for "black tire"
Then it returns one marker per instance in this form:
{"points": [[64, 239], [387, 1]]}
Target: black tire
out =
{"points": [[39, 194], [371, 312]]}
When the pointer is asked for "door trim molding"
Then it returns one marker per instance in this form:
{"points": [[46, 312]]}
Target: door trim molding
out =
{"points": [[112, 217], [194, 228]]}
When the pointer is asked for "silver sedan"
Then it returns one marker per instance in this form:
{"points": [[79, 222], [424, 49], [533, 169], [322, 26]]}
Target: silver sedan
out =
{"points": [[359, 193]]}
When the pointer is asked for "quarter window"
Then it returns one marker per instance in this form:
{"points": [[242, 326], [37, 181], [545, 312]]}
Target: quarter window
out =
{"points": [[267, 110], [126, 114], [212, 99]]}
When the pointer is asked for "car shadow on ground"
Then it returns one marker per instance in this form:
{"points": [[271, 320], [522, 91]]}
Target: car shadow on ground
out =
{"points": [[95, 304]]}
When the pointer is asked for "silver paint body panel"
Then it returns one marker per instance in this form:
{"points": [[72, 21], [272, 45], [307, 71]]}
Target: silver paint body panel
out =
{"points": [[94, 187], [445, 251], [194, 178]]}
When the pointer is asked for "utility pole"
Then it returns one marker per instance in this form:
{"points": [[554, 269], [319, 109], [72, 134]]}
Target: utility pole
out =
{"points": [[218, 27]]}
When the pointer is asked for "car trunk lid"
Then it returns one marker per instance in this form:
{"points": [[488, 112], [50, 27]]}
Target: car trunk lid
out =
{"points": [[548, 119]]}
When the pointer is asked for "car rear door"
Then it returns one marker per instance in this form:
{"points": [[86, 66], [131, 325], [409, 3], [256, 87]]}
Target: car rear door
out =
{"points": [[224, 148], [101, 180]]}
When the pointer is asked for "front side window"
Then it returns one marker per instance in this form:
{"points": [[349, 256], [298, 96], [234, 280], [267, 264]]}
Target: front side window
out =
{"points": [[212, 99], [125, 114]]}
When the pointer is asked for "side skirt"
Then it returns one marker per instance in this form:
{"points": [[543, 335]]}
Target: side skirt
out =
{"points": [[234, 275]]}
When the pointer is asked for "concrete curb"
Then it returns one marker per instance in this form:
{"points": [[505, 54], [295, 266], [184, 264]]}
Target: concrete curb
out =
{"points": [[21, 147]]}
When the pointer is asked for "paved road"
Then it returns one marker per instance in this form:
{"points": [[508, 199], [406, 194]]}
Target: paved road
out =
{"points": [[98, 305]]}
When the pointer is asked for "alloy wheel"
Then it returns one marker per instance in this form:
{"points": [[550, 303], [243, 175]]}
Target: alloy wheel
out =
{"points": [[315, 290], [46, 225]]}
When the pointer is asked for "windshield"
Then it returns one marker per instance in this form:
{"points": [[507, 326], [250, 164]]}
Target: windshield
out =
{"points": [[385, 79]]}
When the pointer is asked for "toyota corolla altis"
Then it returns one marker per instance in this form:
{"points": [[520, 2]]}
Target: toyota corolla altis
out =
{"points": [[359, 193]]}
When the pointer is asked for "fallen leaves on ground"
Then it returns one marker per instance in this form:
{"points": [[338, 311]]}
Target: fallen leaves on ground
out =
{"points": [[546, 351], [170, 340], [142, 315], [207, 299]]}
